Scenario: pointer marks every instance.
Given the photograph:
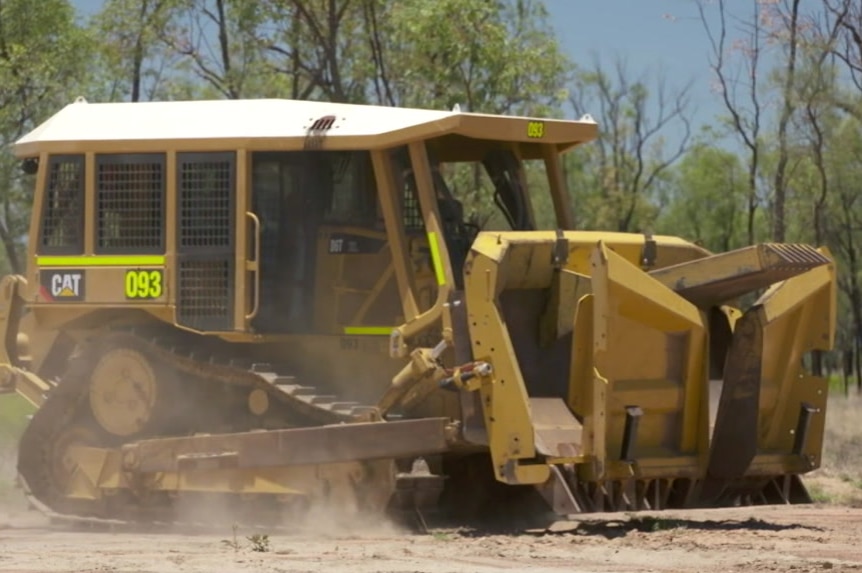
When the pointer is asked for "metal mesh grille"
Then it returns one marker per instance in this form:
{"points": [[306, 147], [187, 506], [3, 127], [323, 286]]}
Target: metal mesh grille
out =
{"points": [[130, 203], [63, 215], [205, 300], [205, 191], [205, 243], [412, 211]]}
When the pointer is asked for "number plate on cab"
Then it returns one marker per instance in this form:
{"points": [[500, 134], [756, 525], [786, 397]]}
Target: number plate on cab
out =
{"points": [[144, 284]]}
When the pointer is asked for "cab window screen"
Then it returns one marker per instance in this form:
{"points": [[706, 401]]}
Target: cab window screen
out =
{"points": [[62, 210], [349, 188], [130, 192], [205, 190], [408, 195]]}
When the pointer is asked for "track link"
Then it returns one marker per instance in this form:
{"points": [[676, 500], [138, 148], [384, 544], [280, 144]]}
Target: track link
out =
{"points": [[66, 407], [310, 404]]}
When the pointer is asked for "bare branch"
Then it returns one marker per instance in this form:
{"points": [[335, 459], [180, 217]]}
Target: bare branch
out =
{"points": [[748, 130], [629, 155]]}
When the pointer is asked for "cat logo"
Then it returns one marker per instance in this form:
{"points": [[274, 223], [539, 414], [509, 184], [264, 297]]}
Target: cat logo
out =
{"points": [[62, 286]]}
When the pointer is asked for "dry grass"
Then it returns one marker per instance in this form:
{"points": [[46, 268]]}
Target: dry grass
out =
{"points": [[13, 418], [839, 480]]}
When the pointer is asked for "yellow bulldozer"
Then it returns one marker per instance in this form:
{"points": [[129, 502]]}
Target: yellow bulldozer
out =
{"points": [[285, 305]]}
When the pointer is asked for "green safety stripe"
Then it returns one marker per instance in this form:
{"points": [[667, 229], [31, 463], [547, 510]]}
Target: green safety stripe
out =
{"points": [[369, 330], [435, 258], [101, 261]]}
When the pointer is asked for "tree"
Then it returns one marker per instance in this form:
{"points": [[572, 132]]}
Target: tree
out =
{"points": [[845, 16], [791, 25], [817, 116], [707, 198], [43, 66], [324, 48], [845, 220], [497, 56], [133, 61], [217, 41], [627, 165], [807, 125], [732, 78]]}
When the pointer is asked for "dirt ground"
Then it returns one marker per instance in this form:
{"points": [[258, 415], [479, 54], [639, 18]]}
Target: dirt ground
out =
{"points": [[798, 539], [775, 539]]}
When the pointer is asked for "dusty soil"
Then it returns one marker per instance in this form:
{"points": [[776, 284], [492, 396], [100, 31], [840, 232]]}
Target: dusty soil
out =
{"points": [[798, 539]]}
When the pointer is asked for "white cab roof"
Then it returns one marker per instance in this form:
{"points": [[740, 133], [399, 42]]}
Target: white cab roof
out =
{"points": [[82, 126]]}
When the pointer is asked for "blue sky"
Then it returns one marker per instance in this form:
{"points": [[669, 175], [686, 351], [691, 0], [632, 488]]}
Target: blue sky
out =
{"points": [[651, 35]]}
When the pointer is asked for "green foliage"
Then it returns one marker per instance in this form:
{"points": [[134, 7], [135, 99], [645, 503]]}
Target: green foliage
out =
{"points": [[322, 50], [40, 45], [706, 199], [259, 542], [43, 66], [619, 180], [217, 43], [129, 54], [492, 57], [13, 417]]}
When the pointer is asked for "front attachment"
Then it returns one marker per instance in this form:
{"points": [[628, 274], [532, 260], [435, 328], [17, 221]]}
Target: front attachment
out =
{"points": [[651, 351], [734, 437], [771, 415], [646, 350]]}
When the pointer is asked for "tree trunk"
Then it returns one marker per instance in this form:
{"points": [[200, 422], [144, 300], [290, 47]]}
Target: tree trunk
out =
{"points": [[857, 329], [12, 254], [778, 225], [752, 198], [817, 363], [8, 241]]}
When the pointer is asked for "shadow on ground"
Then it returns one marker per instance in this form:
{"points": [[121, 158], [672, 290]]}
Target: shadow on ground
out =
{"points": [[648, 524]]}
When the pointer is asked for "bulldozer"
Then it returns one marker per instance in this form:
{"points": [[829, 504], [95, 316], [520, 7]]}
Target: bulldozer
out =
{"points": [[284, 305]]}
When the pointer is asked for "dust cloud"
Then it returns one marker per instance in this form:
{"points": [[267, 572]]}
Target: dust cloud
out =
{"points": [[247, 516], [10, 496]]}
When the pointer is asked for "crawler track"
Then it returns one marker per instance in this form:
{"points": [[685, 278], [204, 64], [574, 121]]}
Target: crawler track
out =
{"points": [[65, 417]]}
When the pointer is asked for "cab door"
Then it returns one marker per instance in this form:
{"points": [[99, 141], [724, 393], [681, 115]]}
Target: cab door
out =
{"points": [[355, 287], [286, 203], [324, 262], [205, 240]]}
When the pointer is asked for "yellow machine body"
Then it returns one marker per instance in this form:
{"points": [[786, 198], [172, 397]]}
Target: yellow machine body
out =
{"points": [[285, 304]]}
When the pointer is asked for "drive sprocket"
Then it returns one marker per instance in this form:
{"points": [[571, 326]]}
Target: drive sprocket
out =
{"points": [[124, 391]]}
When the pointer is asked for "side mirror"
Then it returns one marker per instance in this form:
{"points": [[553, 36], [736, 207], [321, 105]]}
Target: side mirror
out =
{"points": [[30, 165]]}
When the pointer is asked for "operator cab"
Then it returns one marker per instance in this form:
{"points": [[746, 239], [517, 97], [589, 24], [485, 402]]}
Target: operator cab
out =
{"points": [[319, 212], [282, 217]]}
